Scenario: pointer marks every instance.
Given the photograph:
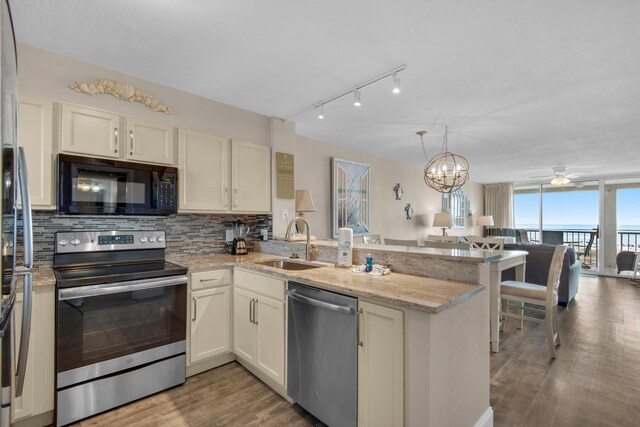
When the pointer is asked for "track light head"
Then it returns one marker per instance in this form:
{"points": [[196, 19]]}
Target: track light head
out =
{"points": [[356, 98], [320, 111], [396, 83]]}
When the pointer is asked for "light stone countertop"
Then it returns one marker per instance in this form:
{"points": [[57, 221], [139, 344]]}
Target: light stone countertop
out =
{"points": [[43, 276], [420, 293]]}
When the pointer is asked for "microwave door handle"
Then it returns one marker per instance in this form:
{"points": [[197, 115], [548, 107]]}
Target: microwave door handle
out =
{"points": [[25, 333], [23, 183]]}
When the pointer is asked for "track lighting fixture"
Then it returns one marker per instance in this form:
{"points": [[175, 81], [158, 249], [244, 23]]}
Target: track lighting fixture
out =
{"points": [[319, 106], [396, 83]]}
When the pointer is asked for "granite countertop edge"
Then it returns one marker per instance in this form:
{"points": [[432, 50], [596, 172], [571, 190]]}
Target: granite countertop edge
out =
{"points": [[205, 262]]}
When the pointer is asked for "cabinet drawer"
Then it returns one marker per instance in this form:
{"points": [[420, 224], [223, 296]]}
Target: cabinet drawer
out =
{"points": [[211, 278], [260, 283]]}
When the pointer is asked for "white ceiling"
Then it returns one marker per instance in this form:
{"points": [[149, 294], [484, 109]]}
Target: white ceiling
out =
{"points": [[523, 86]]}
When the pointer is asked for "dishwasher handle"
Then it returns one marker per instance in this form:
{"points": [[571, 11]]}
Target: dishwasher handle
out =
{"points": [[320, 304]]}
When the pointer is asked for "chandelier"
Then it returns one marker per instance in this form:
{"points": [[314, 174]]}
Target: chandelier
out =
{"points": [[446, 171]]}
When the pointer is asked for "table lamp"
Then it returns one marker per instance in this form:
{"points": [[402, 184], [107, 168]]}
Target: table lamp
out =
{"points": [[304, 203], [443, 220], [485, 221]]}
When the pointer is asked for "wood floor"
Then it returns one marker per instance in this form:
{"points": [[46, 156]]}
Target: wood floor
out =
{"points": [[595, 380], [225, 396]]}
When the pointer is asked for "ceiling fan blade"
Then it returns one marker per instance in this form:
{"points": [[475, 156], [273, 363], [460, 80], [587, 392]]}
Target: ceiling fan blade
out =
{"points": [[542, 177]]}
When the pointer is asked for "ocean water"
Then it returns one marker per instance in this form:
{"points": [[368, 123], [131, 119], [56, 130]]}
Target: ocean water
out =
{"points": [[576, 227]]}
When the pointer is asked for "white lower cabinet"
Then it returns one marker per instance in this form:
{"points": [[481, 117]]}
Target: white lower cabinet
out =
{"points": [[380, 366], [38, 392], [259, 323], [209, 332], [210, 328]]}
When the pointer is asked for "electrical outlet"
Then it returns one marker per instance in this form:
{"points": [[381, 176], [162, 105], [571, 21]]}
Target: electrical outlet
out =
{"points": [[228, 235], [285, 214]]}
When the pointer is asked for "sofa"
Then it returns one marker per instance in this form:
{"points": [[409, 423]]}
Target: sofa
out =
{"points": [[537, 269]]}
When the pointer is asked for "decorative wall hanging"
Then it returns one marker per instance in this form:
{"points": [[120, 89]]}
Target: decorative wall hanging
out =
{"points": [[409, 210], [285, 183], [458, 205], [399, 191], [350, 196], [120, 90]]}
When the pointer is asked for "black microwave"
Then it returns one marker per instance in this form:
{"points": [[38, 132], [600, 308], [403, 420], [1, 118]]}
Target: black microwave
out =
{"points": [[92, 186]]}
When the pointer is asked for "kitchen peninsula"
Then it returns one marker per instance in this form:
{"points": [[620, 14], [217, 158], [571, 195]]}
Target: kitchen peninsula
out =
{"points": [[442, 352]]}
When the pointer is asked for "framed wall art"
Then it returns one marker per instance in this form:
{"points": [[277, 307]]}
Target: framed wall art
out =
{"points": [[350, 196]]}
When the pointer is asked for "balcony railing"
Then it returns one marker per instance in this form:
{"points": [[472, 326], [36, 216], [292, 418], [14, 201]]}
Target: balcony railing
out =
{"points": [[579, 239]]}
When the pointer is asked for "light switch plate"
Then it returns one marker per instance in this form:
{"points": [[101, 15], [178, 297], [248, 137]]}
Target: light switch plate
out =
{"points": [[228, 235]]}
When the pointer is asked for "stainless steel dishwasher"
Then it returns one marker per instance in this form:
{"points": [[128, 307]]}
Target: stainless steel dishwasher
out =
{"points": [[323, 354]]}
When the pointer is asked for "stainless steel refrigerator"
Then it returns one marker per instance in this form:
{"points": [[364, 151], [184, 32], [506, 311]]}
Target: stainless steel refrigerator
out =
{"points": [[16, 227]]}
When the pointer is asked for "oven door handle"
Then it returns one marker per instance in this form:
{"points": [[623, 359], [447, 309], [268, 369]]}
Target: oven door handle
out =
{"points": [[120, 287]]}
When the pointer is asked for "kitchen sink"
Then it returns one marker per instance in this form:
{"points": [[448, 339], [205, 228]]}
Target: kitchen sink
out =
{"points": [[286, 264]]}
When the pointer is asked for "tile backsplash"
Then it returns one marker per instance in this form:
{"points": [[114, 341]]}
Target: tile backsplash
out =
{"points": [[186, 233]]}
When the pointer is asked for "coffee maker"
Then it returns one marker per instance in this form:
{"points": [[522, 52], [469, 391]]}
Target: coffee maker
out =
{"points": [[239, 246]]}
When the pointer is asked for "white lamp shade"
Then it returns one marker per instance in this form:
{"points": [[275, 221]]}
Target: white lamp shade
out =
{"points": [[486, 220], [304, 202], [442, 219]]}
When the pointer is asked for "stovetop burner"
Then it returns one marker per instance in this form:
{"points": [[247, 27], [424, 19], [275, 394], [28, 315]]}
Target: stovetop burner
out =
{"points": [[85, 258]]}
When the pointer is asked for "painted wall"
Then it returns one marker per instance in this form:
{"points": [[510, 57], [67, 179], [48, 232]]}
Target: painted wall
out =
{"points": [[313, 172], [48, 74]]}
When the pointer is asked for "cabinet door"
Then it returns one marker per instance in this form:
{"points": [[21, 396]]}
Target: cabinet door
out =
{"points": [[244, 336], [35, 121], [250, 177], [204, 172], [23, 406], [270, 317], [149, 142], [88, 131], [380, 366], [210, 323]]}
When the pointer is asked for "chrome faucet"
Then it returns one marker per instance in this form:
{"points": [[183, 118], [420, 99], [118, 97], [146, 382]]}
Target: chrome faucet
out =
{"points": [[307, 248]]}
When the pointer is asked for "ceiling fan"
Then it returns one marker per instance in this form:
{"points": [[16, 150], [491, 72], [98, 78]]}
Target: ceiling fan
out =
{"points": [[559, 177]]}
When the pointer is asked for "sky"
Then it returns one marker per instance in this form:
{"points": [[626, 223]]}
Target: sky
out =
{"points": [[578, 207]]}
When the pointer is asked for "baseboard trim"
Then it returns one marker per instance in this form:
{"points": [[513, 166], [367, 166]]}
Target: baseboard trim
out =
{"points": [[40, 420], [486, 419], [282, 391], [205, 365]]}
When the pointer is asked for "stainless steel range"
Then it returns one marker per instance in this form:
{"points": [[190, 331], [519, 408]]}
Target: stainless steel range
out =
{"points": [[120, 320]]}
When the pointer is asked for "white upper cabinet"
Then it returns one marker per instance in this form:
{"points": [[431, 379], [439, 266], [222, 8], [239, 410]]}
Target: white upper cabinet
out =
{"points": [[149, 142], [204, 172], [250, 177], [206, 165], [89, 131], [35, 121]]}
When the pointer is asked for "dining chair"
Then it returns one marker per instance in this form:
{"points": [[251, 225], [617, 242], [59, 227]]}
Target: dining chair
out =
{"points": [[447, 245], [397, 242], [437, 238], [372, 239], [536, 295], [492, 243]]}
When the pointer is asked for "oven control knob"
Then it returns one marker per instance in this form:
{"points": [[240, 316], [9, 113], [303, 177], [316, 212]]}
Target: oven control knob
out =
{"points": [[152, 239], [75, 242], [143, 239], [160, 239], [63, 242]]}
